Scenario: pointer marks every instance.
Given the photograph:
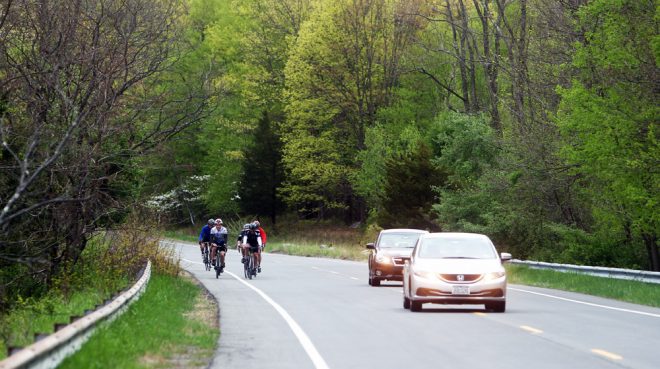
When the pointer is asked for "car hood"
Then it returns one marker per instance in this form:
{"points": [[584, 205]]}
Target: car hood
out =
{"points": [[396, 252], [459, 266]]}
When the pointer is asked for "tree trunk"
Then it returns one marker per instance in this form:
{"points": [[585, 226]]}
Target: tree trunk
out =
{"points": [[651, 243], [460, 55]]}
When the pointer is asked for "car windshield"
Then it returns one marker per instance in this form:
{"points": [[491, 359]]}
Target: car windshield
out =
{"points": [[456, 248], [398, 240]]}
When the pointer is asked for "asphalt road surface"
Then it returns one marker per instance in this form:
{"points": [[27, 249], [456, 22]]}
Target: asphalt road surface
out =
{"points": [[321, 313]]}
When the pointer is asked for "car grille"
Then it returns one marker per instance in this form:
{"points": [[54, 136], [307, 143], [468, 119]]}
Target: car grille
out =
{"points": [[467, 278], [399, 260]]}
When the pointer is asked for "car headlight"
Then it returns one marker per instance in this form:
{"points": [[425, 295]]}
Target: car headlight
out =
{"points": [[493, 276], [383, 259]]}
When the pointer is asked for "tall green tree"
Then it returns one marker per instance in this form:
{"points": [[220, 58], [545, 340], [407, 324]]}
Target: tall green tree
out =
{"points": [[410, 179], [609, 119], [342, 69], [262, 173]]}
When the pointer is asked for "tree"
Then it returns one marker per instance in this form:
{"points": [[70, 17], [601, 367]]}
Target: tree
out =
{"points": [[342, 69], [409, 195], [82, 85], [262, 173], [609, 116]]}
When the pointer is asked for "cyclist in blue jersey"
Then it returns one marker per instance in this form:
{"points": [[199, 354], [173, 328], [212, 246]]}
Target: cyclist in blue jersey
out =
{"points": [[205, 235]]}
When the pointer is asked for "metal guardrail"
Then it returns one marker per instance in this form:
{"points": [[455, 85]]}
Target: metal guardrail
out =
{"points": [[617, 273], [51, 350]]}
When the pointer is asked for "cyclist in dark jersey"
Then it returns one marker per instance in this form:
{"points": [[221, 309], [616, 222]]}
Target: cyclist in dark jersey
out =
{"points": [[253, 240], [239, 242]]}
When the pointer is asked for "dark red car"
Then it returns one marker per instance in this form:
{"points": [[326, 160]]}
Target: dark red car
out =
{"points": [[389, 253]]}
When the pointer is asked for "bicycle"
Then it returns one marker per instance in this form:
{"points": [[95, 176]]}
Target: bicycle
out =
{"points": [[207, 259], [218, 264], [249, 267]]}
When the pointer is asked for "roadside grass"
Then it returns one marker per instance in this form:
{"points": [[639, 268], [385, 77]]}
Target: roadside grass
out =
{"points": [[305, 248], [183, 234], [32, 316], [618, 289], [110, 261], [174, 324]]}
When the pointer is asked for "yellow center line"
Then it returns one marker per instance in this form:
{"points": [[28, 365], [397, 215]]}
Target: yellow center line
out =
{"points": [[479, 313], [531, 329], [607, 354]]}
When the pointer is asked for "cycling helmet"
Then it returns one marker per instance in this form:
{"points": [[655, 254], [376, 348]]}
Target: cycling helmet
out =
{"points": [[219, 221], [256, 222], [246, 226], [210, 221], [253, 226]]}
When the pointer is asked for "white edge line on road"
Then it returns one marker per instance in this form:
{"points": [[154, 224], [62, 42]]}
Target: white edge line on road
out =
{"points": [[588, 303], [307, 344]]}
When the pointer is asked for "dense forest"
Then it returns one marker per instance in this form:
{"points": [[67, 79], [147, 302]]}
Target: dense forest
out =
{"points": [[532, 121]]}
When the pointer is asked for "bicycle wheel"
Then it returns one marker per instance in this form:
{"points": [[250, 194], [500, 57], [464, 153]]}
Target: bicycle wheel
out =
{"points": [[217, 264], [250, 266], [207, 260], [246, 268]]}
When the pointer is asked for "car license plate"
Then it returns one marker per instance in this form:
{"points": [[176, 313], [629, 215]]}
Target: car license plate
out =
{"points": [[460, 290]]}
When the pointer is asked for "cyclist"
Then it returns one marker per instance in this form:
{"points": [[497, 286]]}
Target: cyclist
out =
{"points": [[205, 235], [253, 240], [263, 234], [239, 242], [218, 243]]}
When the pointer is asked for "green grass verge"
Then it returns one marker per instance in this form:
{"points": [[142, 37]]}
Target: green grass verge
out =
{"points": [[618, 289], [183, 234], [39, 316], [344, 252], [169, 326]]}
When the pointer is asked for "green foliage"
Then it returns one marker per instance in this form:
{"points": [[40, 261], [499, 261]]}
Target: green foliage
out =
{"points": [[165, 325], [409, 191], [262, 173], [341, 70], [609, 117], [465, 146]]}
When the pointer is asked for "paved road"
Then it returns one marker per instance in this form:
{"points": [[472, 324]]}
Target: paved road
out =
{"points": [[320, 313]]}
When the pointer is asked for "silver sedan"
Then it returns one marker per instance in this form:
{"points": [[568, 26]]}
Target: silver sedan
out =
{"points": [[455, 268]]}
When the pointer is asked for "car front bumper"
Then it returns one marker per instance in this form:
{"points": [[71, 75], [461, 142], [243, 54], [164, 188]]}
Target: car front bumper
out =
{"points": [[391, 272], [440, 292]]}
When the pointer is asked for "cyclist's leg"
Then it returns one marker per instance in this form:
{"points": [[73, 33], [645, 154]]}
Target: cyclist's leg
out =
{"points": [[214, 249], [223, 251], [244, 252]]}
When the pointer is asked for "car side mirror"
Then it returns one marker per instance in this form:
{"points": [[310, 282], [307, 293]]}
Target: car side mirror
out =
{"points": [[371, 246], [505, 256]]}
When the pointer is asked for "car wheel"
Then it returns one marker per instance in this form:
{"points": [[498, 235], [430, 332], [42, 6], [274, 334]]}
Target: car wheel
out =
{"points": [[415, 306], [370, 280], [498, 307], [375, 282], [406, 302]]}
